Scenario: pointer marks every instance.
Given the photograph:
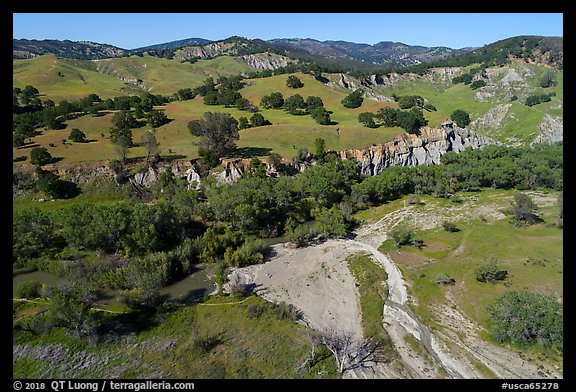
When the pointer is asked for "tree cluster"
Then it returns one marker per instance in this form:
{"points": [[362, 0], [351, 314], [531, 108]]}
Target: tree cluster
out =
{"points": [[409, 120], [460, 117], [538, 98], [224, 92], [256, 120], [294, 82], [493, 166], [217, 132], [353, 100]]}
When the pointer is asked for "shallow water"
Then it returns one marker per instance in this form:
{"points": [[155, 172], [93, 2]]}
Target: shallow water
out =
{"points": [[40, 276], [189, 289]]}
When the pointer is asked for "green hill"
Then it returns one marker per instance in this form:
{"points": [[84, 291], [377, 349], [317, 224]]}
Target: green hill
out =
{"points": [[70, 79], [286, 134], [491, 109], [519, 122], [59, 79]]}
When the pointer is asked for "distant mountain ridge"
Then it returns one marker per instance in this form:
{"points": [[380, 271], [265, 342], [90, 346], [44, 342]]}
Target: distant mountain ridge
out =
{"points": [[85, 50], [175, 44], [546, 50], [380, 53]]}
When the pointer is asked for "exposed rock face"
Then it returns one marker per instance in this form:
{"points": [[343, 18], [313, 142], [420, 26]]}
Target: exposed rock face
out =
{"points": [[232, 172], [80, 173], [150, 174], [444, 75], [206, 51], [107, 67], [551, 130], [369, 94], [406, 150], [501, 88], [266, 61], [412, 150], [351, 83], [193, 178], [392, 79], [492, 119]]}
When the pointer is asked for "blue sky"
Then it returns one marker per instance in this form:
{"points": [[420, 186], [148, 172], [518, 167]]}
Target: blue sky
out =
{"points": [[129, 31]]}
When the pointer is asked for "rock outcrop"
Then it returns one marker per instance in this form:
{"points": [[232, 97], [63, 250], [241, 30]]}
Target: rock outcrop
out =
{"points": [[551, 130], [411, 150], [206, 51], [233, 171], [492, 119], [266, 61], [426, 148], [442, 75]]}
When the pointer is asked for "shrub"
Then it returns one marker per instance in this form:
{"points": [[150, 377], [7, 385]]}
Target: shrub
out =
{"points": [[536, 99], [294, 82], [430, 107], [404, 235], [40, 156], [258, 120], [77, 136], [321, 115], [477, 84], [527, 318], [28, 289], [460, 117], [367, 119], [353, 100], [445, 279], [205, 344], [450, 226], [490, 272], [221, 275], [284, 311], [251, 252], [300, 235], [255, 311]]}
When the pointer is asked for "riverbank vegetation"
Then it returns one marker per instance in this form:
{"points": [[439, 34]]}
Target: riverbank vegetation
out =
{"points": [[150, 238]]}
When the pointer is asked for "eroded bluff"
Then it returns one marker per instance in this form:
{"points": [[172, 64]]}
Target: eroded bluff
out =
{"points": [[425, 148]]}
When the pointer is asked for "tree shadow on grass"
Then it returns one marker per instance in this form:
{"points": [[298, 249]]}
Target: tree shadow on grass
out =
{"points": [[173, 157], [28, 145], [249, 152]]}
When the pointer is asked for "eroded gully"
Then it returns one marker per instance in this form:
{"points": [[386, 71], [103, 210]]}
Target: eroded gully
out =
{"points": [[397, 310]]}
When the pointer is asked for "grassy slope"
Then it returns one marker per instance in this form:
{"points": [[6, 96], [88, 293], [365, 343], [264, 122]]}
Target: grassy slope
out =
{"points": [[80, 78], [286, 134], [101, 191], [76, 82], [521, 120], [163, 76], [263, 347], [459, 254]]}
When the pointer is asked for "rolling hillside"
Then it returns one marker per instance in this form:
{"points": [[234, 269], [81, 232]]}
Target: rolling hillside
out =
{"points": [[491, 109], [286, 134], [58, 78], [497, 110]]}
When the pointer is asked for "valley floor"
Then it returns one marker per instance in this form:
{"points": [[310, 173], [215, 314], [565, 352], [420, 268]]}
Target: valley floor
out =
{"points": [[449, 345]]}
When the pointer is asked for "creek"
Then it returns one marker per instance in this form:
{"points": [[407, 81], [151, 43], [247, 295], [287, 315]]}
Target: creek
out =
{"points": [[397, 310], [193, 287]]}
